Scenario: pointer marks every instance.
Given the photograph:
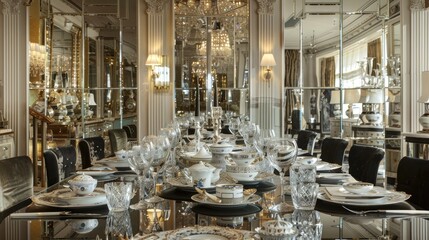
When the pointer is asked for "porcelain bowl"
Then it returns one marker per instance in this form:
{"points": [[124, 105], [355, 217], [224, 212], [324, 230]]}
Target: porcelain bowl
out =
{"points": [[243, 158], [358, 187], [121, 155], [243, 176], [221, 148], [241, 169], [82, 184], [83, 226]]}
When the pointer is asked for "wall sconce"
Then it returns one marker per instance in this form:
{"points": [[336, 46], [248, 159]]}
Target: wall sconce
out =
{"points": [[424, 119], [160, 74], [268, 61]]}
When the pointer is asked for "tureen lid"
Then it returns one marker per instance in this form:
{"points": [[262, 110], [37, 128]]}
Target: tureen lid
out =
{"points": [[203, 153], [201, 166]]}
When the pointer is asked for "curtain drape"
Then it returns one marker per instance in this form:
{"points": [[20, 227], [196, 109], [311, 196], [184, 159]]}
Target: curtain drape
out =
{"points": [[374, 50], [327, 72], [291, 79]]}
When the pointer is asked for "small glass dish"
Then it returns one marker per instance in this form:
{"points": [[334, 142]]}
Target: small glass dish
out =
{"points": [[358, 187]]}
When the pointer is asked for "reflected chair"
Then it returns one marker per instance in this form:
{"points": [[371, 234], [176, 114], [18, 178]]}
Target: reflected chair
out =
{"points": [[333, 150], [413, 179], [16, 184], [60, 163], [91, 149], [131, 131], [364, 162], [306, 140], [118, 139]]}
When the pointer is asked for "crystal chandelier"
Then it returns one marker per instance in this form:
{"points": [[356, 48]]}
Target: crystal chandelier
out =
{"points": [[208, 7], [220, 47], [37, 59]]}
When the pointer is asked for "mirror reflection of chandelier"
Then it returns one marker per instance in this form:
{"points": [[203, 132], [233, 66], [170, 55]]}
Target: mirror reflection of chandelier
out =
{"points": [[207, 7], [220, 47]]}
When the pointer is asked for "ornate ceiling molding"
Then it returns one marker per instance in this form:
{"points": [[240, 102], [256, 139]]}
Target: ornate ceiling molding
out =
{"points": [[155, 6], [11, 6], [265, 6], [417, 4]]}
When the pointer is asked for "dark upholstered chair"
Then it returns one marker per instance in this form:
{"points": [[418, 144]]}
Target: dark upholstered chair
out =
{"points": [[333, 150], [56, 157], [16, 184], [364, 162], [306, 140], [131, 131], [413, 179], [118, 139], [91, 149]]}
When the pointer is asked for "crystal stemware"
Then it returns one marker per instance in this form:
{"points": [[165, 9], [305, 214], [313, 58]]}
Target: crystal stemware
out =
{"points": [[281, 153], [234, 126], [138, 159]]}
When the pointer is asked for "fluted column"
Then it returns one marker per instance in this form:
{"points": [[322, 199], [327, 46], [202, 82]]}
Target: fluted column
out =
{"points": [[14, 75], [156, 105], [266, 94], [419, 62]]}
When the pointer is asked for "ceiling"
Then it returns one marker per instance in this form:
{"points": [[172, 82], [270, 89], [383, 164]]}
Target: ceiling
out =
{"points": [[321, 22]]}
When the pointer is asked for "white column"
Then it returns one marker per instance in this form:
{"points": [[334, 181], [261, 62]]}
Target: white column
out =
{"points": [[419, 62], [14, 77], [156, 106], [266, 95]]}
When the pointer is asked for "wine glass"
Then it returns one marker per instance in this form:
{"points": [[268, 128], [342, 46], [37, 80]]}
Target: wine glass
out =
{"points": [[138, 159], [248, 130], [234, 126], [281, 153], [261, 139]]}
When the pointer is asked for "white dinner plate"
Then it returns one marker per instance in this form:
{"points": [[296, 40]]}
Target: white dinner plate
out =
{"points": [[188, 188], [204, 233], [190, 156], [392, 197], [333, 178], [236, 202], [64, 198], [325, 166], [113, 162], [95, 172]]}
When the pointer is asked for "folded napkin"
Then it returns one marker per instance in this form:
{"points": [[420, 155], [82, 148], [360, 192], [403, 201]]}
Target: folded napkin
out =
{"points": [[340, 194]]}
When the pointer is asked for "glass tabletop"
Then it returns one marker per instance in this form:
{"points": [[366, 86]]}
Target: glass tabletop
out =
{"points": [[331, 219]]}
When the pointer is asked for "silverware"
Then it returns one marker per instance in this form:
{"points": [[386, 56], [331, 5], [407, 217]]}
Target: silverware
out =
{"points": [[55, 215], [211, 196], [392, 212]]}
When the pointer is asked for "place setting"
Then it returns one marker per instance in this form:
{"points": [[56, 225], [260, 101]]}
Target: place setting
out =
{"points": [[361, 194], [80, 193]]}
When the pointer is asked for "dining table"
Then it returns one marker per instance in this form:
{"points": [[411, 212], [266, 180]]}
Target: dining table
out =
{"points": [[179, 212]]}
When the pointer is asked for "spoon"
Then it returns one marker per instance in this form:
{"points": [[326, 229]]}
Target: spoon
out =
{"points": [[211, 196]]}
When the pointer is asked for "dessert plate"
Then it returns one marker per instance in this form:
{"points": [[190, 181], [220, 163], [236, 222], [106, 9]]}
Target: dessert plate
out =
{"points": [[65, 198], [190, 156], [232, 202], [325, 166], [204, 232]]}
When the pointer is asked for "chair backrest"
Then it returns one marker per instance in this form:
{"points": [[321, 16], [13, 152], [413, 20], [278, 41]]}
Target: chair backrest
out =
{"points": [[306, 140], [413, 179], [91, 149], [364, 162], [333, 150], [131, 131], [16, 184], [118, 139], [60, 163]]}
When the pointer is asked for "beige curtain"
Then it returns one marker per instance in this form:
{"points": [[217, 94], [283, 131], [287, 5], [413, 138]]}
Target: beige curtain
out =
{"points": [[374, 50], [327, 72], [291, 80]]}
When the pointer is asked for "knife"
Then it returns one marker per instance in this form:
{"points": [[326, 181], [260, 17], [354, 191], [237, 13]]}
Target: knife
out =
{"points": [[55, 215]]}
